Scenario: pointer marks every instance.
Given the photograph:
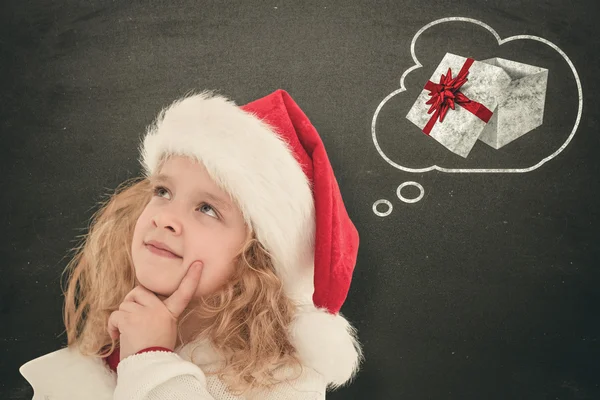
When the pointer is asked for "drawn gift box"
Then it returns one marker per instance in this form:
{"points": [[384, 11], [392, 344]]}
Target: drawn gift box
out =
{"points": [[494, 100], [458, 101], [520, 105]]}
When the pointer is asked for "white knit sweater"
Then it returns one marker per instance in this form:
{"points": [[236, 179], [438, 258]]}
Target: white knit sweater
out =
{"points": [[157, 375], [163, 375]]}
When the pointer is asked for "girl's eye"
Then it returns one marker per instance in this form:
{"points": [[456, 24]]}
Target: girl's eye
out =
{"points": [[159, 191], [206, 206]]}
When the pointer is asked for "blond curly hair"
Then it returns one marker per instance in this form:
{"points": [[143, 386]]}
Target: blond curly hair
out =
{"points": [[247, 321]]}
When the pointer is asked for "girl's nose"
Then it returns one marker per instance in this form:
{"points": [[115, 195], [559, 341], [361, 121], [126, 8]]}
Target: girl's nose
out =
{"points": [[168, 220]]}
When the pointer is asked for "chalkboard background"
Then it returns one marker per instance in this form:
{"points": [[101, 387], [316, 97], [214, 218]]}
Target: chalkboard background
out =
{"points": [[487, 288]]}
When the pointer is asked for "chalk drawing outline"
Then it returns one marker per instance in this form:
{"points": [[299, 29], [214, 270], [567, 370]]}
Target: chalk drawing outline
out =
{"points": [[410, 183], [500, 43], [385, 213]]}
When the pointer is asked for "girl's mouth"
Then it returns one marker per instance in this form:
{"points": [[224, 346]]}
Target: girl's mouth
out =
{"points": [[160, 252]]}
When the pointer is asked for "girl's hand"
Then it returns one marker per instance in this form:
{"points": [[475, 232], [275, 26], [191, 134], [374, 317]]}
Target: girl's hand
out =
{"points": [[143, 320]]}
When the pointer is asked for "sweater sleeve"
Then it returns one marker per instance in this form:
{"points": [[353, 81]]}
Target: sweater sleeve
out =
{"points": [[159, 375]]}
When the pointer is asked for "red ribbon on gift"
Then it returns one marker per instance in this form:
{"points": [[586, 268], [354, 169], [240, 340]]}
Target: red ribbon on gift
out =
{"points": [[445, 95]]}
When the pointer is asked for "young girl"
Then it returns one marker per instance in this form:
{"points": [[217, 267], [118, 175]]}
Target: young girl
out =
{"points": [[219, 274]]}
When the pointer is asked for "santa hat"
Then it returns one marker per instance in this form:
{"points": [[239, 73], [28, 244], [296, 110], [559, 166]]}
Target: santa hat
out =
{"points": [[270, 159]]}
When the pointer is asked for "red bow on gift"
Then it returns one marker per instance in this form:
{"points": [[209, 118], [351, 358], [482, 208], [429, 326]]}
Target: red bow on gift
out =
{"points": [[445, 95]]}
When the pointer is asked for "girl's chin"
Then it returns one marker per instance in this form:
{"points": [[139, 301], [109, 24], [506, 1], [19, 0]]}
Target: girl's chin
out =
{"points": [[160, 284], [158, 289]]}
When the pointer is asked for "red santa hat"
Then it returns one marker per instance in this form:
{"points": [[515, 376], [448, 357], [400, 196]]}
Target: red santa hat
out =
{"points": [[270, 159]]}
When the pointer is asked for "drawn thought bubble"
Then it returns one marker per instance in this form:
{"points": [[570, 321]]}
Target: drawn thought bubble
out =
{"points": [[500, 42]]}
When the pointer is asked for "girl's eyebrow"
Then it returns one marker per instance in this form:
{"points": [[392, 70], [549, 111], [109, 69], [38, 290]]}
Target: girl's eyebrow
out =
{"points": [[216, 200]]}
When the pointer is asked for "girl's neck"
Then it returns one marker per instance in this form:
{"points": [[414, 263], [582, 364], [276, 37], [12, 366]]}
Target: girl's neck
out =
{"points": [[188, 330]]}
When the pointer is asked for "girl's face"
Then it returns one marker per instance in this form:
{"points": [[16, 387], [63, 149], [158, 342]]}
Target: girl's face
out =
{"points": [[194, 218]]}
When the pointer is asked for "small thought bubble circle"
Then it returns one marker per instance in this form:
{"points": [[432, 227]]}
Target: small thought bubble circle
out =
{"points": [[410, 183], [385, 213]]}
